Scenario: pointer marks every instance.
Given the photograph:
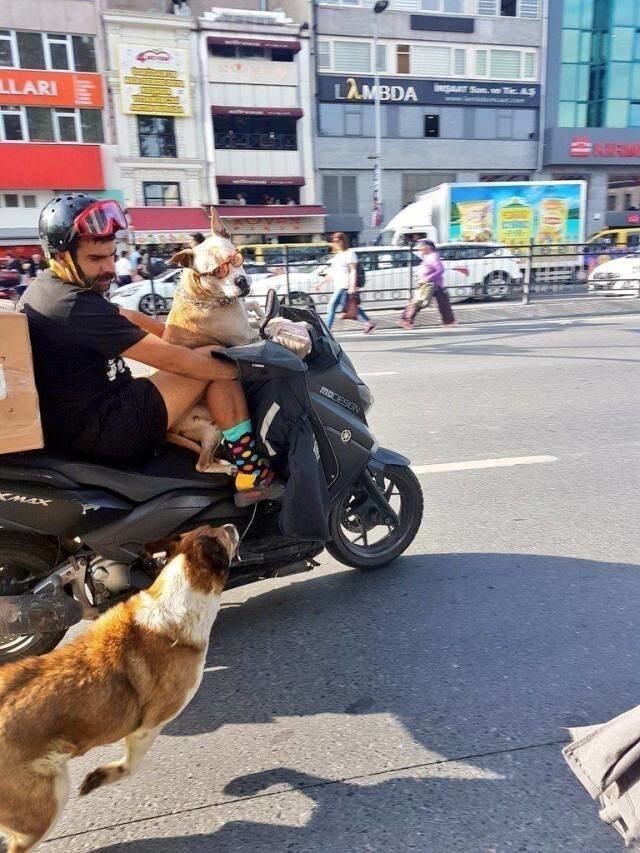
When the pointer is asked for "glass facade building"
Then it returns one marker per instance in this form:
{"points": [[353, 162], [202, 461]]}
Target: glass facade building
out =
{"points": [[600, 64]]}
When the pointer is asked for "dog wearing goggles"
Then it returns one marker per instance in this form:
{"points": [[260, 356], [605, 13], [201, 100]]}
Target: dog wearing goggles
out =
{"points": [[207, 309]]}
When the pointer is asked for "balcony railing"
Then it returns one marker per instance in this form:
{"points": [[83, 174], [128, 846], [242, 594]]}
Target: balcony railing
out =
{"points": [[257, 141]]}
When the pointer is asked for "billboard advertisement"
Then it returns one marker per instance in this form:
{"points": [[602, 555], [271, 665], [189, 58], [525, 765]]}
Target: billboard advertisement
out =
{"points": [[517, 213], [50, 88], [154, 81]]}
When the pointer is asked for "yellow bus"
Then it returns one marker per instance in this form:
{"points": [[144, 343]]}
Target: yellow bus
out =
{"points": [[273, 254]]}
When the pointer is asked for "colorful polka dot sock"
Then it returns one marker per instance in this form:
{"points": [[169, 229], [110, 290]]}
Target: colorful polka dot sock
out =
{"points": [[251, 466]]}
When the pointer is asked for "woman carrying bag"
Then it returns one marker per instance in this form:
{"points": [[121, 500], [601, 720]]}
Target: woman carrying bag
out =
{"points": [[431, 284], [343, 275]]}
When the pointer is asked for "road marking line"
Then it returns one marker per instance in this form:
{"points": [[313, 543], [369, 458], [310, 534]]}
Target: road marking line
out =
{"points": [[380, 373], [477, 464]]}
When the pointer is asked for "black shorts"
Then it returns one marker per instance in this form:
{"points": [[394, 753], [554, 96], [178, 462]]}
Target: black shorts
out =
{"points": [[129, 426]]}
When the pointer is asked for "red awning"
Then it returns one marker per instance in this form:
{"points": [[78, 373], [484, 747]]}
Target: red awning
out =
{"points": [[181, 219], [259, 180], [244, 41], [293, 112], [50, 166]]}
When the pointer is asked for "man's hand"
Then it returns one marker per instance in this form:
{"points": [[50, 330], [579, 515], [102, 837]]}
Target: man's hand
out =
{"points": [[196, 364]]}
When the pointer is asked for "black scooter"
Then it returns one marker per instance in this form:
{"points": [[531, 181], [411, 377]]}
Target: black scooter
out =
{"points": [[73, 532]]}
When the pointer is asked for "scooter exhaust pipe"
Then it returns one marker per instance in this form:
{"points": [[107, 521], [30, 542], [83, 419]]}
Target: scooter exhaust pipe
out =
{"points": [[37, 614]]}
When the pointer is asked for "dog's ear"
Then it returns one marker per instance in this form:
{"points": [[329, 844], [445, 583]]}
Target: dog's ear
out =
{"points": [[217, 225], [183, 258]]}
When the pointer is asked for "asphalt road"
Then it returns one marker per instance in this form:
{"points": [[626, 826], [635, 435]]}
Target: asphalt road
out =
{"points": [[422, 707]]}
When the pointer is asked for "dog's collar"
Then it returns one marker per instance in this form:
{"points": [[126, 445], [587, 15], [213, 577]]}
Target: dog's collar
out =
{"points": [[215, 302]]}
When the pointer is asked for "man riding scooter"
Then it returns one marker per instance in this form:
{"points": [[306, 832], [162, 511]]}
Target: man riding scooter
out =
{"points": [[89, 401]]}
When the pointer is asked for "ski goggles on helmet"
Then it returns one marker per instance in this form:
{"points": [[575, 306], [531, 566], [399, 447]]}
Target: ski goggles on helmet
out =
{"points": [[101, 219]]}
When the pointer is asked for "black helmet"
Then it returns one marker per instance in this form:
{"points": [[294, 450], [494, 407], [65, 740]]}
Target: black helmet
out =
{"points": [[55, 226]]}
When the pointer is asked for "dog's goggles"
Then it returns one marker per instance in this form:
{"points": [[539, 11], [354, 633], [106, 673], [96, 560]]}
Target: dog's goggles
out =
{"points": [[234, 261]]}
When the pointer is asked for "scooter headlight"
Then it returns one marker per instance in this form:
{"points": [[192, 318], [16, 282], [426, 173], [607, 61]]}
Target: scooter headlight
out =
{"points": [[366, 397]]}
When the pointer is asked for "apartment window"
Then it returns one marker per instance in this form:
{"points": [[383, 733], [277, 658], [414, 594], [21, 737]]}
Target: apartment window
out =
{"points": [[504, 124], [339, 193], [161, 195], [29, 201], [157, 136], [628, 201], [39, 124], [57, 46], [481, 63], [12, 127], [459, 62], [11, 200], [84, 53], [505, 64], [447, 7], [30, 50], [381, 58], [324, 54], [509, 8], [353, 122], [352, 56], [402, 58], [67, 125], [430, 61], [91, 126], [281, 55], [611, 203], [432, 125], [6, 49]]}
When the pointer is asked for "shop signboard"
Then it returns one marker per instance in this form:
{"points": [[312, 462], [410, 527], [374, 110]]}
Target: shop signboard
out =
{"points": [[154, 81], [403, 90]]}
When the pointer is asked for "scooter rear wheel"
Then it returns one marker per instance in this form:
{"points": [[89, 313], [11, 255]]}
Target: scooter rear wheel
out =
{"points": [[361, 535], [24, 560]]}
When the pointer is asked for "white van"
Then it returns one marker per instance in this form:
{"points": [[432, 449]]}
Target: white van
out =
{"points": [[412, 223]]}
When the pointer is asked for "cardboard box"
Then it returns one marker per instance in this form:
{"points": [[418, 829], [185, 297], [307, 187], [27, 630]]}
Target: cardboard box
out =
{"points": [[20, 426]]}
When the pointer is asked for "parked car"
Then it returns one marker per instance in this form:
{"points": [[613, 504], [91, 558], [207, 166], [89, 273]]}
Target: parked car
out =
{"points": [[619, 277], [472, 270]]}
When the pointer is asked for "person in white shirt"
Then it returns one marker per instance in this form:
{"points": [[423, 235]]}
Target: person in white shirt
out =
{"points": [[343, 276], [124, 270]]}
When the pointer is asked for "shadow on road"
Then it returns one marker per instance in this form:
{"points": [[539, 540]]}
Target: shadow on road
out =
{"points": [[494, 651]]}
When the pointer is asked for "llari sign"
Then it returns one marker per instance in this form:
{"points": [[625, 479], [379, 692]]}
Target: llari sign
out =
{"points": [[365, 92]]}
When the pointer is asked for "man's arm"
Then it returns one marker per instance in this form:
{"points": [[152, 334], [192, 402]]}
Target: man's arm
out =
{"points": [[196, 364], [142, 321]]}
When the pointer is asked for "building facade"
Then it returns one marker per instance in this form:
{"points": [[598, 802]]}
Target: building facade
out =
{"points": [[257, 120], [54, 121], [154, 81], [459, 92], [593, 105]]}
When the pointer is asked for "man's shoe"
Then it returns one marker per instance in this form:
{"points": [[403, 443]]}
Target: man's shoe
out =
{"points": [[268, 488]]}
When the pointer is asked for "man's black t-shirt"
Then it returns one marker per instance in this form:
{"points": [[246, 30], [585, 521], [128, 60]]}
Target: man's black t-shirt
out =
{"points": [[77, 338]]}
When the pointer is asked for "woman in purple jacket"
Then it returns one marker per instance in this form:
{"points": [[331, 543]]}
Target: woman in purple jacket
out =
{"points": [[431, 273]]}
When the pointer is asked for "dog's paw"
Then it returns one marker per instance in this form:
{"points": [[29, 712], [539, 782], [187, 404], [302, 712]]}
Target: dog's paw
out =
{"points": [[100, 776], [207, 464]]}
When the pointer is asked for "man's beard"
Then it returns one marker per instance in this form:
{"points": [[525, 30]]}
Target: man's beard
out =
{"points": [[100, 283]]}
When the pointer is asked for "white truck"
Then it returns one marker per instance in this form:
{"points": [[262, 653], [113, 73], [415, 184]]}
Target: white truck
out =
{"points": [[511, 213]]}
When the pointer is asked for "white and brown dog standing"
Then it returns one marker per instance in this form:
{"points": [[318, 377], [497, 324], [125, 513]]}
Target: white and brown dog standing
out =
{"points": [[132, 672], [207, 309]]}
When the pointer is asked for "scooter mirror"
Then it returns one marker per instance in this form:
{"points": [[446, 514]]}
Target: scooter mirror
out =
{"points": [[271, 310]]}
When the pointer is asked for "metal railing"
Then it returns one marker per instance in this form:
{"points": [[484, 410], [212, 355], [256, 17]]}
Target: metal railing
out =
{"points": [[471, 272], [257, 141]]}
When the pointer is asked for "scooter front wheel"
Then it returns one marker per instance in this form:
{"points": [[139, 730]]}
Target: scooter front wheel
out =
{"points": [[366, 536]]}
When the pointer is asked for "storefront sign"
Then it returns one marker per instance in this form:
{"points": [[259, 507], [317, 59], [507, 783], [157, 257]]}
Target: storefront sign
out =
{"points": [[400, 90], [50, 88], [154, 81], [582, 146], [592, 147], [50, 166]]}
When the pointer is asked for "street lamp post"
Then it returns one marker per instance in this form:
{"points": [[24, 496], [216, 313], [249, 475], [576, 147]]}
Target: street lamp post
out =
{"points": [[379, 7]]}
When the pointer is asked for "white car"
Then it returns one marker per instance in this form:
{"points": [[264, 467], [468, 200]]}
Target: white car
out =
{"points": [[471, 270], [140, 297], [619, 277]]}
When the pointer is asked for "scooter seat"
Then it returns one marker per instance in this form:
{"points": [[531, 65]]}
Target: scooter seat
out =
{"points": [[172, 468]]}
